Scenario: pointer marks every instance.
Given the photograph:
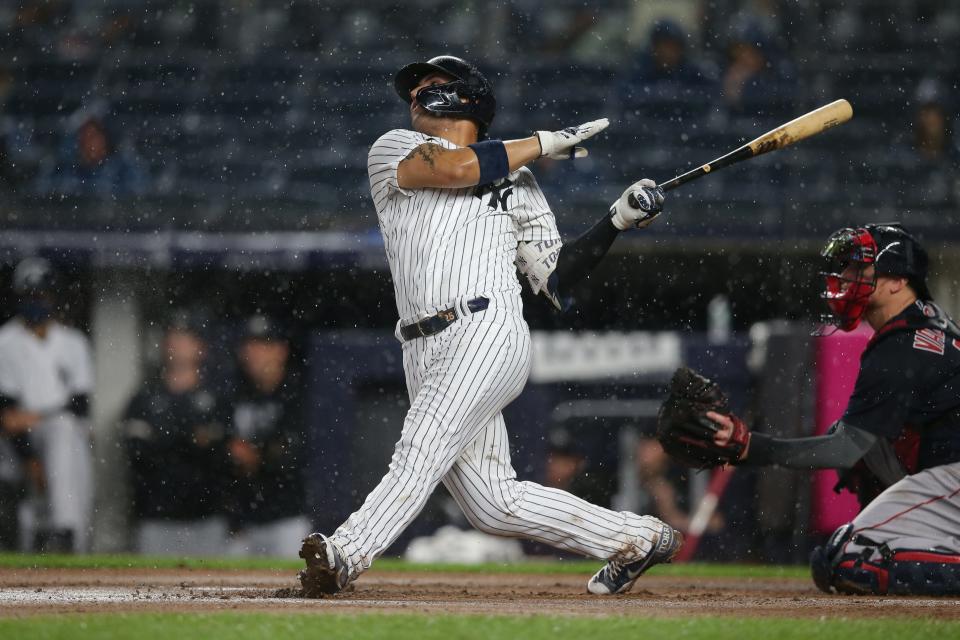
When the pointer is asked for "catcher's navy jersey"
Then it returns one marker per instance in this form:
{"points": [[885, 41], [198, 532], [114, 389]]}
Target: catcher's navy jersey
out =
{"points": [[908, 389]]}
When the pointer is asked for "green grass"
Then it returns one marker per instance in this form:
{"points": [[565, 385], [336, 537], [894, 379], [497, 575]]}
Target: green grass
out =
{"points": [[445, 627], [127, 561]]}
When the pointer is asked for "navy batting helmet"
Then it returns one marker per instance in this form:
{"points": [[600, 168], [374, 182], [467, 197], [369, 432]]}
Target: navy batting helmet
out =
{"points": [[35, 284], [34, 275], [469, 94]]}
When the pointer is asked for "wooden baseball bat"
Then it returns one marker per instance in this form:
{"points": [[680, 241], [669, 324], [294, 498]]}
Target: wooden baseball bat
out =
{"points": [[809, 124], [705, 510]]}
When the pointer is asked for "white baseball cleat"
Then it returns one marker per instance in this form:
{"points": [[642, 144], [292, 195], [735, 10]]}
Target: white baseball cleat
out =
{"points": [[618, 575]]}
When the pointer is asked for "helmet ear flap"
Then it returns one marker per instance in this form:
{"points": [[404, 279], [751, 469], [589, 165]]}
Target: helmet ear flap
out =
{"points": [[473, 87]]}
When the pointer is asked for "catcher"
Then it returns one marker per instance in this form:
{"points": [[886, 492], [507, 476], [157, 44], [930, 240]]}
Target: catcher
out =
{"points": [[897, 445]]}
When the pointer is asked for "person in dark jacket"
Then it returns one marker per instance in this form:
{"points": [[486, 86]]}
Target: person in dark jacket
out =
{"points": [[267, 447], [175, 432]]}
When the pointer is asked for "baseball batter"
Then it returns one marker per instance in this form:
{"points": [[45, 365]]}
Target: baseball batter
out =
{"points": [[460, 214], [898, 442]]}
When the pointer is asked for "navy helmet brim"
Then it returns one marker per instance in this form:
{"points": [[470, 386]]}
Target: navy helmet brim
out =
{"points": [[408, 77]]}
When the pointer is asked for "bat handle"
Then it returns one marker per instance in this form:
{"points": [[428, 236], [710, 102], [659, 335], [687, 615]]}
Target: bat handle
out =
{"points": [[672, 183], [666, 186]]}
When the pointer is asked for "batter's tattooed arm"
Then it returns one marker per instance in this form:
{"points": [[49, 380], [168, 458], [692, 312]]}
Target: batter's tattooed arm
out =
{"points": [[427, 153]]}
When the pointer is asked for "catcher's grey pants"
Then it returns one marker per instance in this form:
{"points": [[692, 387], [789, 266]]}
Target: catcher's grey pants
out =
{"points": [[919, 512], [459, 381]]}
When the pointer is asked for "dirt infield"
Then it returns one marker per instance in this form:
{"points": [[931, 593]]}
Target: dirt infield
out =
{"points": [[26, 592]]}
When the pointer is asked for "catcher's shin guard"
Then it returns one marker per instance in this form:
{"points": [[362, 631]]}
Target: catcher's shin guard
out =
{"points": [[901, 572]]}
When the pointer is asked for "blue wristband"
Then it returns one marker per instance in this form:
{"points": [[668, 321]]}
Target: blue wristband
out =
{"points": [[492, 156]]}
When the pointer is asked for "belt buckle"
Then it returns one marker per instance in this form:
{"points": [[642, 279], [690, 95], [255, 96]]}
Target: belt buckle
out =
{"points": [[448, 315]]}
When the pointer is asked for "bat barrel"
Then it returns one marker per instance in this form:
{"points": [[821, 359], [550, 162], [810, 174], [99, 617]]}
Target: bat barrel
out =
{"points": [[809, 124]]}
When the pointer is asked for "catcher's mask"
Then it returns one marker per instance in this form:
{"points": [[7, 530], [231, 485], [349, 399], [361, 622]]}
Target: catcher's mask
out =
{"points": [[848, 255], [469, 94]]}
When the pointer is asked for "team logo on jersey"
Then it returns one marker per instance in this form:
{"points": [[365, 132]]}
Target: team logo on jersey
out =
{"points": [[932, 340], [499, 194]]}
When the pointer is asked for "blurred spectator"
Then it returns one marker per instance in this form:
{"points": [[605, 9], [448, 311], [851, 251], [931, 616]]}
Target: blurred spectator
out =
{"points": [[686, 14], [571, 469], [268, 445], [10, 177], [664, 487], [46, 377], [91, 163], [932, 131], [664, 82], [35, 25], [756, 78], [175, 433], [9, 174], [666, 59], [930, 163], [7, 85]]}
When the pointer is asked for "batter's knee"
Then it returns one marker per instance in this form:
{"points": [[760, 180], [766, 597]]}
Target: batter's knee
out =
{"points": [[879, 570], [495, 511]]}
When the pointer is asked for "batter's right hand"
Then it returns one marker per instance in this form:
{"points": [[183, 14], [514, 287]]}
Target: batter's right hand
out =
{"points": [[639, 205], [561, 145]]}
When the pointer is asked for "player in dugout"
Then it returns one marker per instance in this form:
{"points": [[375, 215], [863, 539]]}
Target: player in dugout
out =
{"points": [[897, 445], [460, 214], [46, 379]]}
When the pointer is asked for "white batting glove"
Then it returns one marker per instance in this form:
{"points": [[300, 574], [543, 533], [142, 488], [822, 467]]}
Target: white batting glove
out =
{"points": [[561, 145], [639, 205]]}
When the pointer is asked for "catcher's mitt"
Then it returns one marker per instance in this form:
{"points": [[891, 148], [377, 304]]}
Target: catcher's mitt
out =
{"points": [[684, 430]]}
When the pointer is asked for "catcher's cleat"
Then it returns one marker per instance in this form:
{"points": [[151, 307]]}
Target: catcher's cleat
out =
{"points": [[618, 575], [327, 571]]}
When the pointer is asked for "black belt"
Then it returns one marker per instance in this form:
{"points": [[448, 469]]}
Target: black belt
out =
{"points": [[436, 324]]}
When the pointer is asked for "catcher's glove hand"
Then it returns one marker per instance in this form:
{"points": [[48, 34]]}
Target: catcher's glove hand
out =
{"points": [[685, 431]]}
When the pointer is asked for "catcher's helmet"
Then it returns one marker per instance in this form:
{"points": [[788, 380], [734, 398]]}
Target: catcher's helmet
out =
{"points": [[469, 94], [892, 251]]}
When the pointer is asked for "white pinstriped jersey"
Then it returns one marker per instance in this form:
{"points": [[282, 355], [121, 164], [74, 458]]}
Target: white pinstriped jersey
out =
{"points": [[444, 245], [42, 374]]}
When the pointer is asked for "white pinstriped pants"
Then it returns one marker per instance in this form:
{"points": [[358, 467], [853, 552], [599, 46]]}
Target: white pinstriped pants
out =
{"points": [[459, 381]]}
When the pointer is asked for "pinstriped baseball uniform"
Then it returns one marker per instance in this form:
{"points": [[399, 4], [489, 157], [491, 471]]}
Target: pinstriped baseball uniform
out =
{"points": [[445, 247], [41, 375]]}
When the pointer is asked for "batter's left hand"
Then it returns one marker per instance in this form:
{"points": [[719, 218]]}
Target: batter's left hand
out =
{"points": [[639, 205], [561, 145]]}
